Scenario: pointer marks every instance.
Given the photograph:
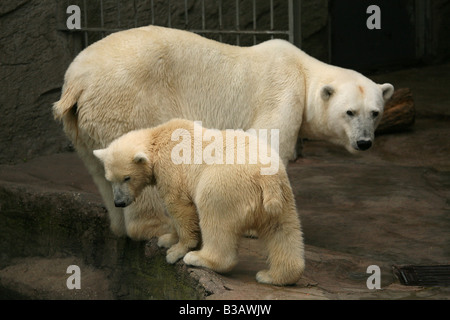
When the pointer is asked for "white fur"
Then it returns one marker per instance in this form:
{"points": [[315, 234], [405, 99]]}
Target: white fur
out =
{"points": [[222, 200], [143, 77]]}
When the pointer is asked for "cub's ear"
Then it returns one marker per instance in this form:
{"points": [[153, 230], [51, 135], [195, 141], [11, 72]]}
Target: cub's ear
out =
{"points": [[326, 92], [100, 153], [141, 157], [388, 90]]}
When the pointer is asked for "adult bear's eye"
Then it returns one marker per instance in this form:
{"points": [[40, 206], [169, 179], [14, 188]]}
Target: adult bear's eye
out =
{"points": [[375, 114], [127, 178], [350, 113]]}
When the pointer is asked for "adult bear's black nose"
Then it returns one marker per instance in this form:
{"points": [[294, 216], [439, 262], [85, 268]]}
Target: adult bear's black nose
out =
{"points": [[364, 144], [120, 203]]}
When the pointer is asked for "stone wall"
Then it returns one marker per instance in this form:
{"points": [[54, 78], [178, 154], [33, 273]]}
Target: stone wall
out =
{"points": [[33, 59]]}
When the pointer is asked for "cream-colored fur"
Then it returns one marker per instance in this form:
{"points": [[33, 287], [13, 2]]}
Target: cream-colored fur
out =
{"points": [[142, 77], [229, 199]]}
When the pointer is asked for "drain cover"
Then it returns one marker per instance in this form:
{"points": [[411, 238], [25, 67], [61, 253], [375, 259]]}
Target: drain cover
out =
{"points": [[425, 276]]}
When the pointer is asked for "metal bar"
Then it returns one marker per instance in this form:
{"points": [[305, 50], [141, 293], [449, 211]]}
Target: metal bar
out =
{"points": [[203, 15], [220, 19], [86, 36], [243, 32], [102, 24], [153, 11], [271, 17], [291, 20], [254, 20], [169, 21], [135, 13], [118, 13], [186, 16], [211, 31], [238, 36]]}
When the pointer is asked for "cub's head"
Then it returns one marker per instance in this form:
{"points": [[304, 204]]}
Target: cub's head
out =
{"points": [[127, 166], [348, 112]]}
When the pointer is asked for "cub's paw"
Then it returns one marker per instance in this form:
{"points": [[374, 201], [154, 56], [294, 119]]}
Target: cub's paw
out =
{"points": [[167, 240], [264, 277], [175, 253], [193, 259]]}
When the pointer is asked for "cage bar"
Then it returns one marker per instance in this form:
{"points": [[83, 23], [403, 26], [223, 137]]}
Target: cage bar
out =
{"points": [[238, 36], [255, 33]]}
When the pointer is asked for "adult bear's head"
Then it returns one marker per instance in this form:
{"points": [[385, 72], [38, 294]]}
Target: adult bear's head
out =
{"points": [[346, 111]]}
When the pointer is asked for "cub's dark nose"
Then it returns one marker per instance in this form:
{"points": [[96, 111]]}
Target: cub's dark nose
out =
{"points": [[120, 204], [364, 144]]}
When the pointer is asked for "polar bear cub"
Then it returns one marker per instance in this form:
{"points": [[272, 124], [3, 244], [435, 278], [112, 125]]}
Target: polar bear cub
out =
{"points": [[215, 199]]}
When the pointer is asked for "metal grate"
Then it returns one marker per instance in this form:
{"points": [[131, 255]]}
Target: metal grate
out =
{"points": [[426, 276], [240, 22]]}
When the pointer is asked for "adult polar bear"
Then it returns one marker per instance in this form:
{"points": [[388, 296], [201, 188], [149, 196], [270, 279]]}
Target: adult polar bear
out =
{"points": [[143, 77]]}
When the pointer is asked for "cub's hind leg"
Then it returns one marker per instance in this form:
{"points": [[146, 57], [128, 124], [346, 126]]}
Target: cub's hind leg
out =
{"points": [[284, 242], [220, 243]]}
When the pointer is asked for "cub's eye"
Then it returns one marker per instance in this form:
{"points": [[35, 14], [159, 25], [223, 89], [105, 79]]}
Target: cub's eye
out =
{"points": [[375, 114], [350, 113], [126, 179]]}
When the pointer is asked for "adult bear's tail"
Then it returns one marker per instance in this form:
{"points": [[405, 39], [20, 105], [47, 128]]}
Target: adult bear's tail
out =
{"points": [[66, 109]]}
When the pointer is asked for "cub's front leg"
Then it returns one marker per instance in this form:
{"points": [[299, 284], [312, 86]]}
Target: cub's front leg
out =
{"points": [[185, 222], [167, 240]]}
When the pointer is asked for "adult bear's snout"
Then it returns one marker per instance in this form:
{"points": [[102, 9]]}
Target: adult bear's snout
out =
{"points": [[364, 144], [120, 203]]}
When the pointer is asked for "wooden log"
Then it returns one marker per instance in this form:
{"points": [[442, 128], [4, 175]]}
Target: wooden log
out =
{"points": [[399, 112]]}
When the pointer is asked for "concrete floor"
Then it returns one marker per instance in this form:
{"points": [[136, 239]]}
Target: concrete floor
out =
{"points": [[387, 206]]}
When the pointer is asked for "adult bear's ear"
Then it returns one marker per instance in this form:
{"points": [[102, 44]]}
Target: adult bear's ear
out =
{"points": [[100, 154], [388, 90], [326, 92], [141, 157]]}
